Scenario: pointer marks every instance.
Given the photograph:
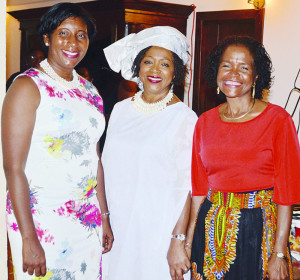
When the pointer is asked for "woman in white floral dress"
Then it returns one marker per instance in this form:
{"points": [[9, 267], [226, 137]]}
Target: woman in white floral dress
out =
{"points": [[51, 122]]}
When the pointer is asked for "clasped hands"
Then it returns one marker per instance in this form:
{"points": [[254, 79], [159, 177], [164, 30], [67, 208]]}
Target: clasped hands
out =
{"points": [[178, 259]]}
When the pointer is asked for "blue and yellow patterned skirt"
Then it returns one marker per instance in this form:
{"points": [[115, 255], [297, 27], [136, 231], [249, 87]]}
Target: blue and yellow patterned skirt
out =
{"points": [[234, 236]]}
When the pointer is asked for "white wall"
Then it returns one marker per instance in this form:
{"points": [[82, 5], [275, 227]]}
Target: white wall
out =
{"points": [[3, 250]]}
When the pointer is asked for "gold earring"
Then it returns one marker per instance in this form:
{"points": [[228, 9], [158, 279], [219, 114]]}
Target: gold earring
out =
{"points": [[253, 91], [218, 90]]}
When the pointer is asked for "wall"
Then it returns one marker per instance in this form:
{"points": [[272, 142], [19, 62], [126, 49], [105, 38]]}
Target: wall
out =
{"points": [[3, 250], [13, 44]]}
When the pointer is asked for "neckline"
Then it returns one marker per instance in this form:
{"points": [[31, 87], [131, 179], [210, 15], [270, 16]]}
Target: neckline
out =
{"points": [[155, 114], [255, 118]]}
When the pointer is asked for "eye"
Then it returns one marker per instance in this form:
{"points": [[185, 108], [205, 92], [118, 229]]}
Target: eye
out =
{"points": [[147, 62], [63, 33], [165, 64], [82, 35], [245, 68]]}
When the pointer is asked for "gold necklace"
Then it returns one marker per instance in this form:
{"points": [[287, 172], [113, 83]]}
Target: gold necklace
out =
{"points": [[245, 114]]}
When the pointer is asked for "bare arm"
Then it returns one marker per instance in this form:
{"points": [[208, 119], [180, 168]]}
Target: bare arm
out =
{"points": [[18, 120], [195, 206], [177, 258], [108, 237], [277, 267]]}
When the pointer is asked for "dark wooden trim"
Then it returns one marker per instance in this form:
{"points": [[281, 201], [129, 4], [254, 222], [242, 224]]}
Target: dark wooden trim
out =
{"points": [[159, 7]]}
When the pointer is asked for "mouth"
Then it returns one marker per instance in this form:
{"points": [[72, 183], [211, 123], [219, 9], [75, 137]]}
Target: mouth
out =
{"points": [[153, 79], [70, 54], [232, 83]]}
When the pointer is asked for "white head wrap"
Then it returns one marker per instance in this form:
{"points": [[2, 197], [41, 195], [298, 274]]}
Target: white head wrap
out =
{"points": [[121, 54]]}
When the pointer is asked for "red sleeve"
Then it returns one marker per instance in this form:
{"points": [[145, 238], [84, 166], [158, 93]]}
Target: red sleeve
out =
{"points": [[287, 164], [199, 176]]}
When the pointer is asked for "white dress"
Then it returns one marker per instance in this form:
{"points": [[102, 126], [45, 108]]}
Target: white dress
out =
{"points": [[147, 170], [61, 169]]}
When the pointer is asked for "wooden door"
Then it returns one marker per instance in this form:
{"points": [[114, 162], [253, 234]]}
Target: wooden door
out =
{"points": [[211, 28]]}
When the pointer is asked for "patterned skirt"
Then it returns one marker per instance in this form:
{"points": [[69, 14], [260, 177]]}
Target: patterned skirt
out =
{"points": [[234, 236]]}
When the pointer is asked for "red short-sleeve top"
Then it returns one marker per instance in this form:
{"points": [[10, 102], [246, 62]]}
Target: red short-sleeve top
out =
{"points": [[238, 157]]}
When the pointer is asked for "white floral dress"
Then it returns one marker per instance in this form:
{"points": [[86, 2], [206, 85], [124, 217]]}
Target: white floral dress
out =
{"points": [[61, 170]]}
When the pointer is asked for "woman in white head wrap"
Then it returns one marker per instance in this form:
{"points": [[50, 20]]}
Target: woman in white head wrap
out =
{"points": [[147, 159]]}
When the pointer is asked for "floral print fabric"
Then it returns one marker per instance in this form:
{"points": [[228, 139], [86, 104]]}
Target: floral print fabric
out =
{"points": [[61, 170]]}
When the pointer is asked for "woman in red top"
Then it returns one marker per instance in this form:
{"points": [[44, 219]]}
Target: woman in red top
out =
{"points": [[245, 173]]}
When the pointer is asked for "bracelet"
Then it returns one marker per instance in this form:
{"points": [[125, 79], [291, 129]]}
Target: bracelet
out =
{"points": [[104, 214], [280, 255], [188, 245], [181, 237]]}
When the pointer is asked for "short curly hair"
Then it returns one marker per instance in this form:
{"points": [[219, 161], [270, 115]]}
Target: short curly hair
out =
{"points": [[262, 62], [180, 70], [60, 12]]}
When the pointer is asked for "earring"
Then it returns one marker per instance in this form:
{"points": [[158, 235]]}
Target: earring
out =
{"points": [[171, 88], [253, 91], [140, 85], [218, 90], [47, 44]]}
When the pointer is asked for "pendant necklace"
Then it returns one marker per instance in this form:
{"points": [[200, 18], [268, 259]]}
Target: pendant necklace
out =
{"points": [[243, 115]]}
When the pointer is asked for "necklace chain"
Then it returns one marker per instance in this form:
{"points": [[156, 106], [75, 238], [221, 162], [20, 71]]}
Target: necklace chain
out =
{"points": [[150, 108], [75, 83], [241, 116]]}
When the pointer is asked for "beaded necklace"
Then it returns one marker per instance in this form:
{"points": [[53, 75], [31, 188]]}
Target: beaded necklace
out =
{"points": [[75, 83], [150, 108]]}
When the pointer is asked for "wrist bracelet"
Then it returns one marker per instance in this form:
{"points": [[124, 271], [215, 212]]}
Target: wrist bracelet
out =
{"points": [[280, 255], [104, 214], [181, 237]]}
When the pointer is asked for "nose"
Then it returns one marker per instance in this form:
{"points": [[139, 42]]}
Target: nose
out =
{"points": [[72, 41], [235, 72], [155, 67]]}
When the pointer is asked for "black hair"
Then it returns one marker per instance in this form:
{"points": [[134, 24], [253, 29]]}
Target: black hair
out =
{"points": [[60, 12], [261, 59], [180, 69]]}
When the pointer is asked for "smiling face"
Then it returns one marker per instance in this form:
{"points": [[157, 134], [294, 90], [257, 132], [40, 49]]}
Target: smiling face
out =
{"points": [[67, 44], [157, 71], [236, 73]]}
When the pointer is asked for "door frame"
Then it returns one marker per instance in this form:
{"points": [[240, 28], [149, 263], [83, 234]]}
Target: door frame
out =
{"points": [[201, 17]]}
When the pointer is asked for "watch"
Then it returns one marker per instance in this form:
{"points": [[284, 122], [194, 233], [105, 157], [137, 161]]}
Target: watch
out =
{"points": [[181, 237], [280, 255]]}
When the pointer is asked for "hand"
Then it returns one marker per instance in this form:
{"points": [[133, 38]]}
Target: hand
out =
{"points": [[34, 260], [277, 268], [107, 237], [178, 259], [188, 252]]}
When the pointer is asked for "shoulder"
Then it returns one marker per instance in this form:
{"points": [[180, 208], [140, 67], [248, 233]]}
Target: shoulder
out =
{"points": [[278, 111], [209, 115], [121, 106], [185, 111], [23, 92]]}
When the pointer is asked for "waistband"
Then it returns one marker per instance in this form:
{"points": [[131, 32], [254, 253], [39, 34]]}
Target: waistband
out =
{"points": [[242, 200]]}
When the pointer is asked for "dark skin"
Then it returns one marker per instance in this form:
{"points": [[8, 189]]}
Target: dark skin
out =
{"points": [[18, 120], [235, 79]]}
